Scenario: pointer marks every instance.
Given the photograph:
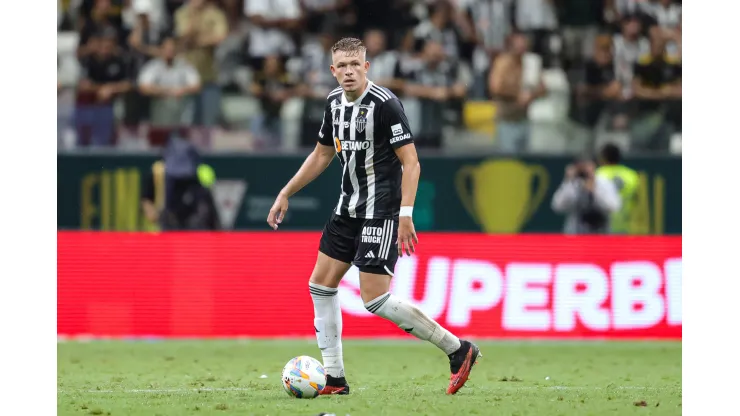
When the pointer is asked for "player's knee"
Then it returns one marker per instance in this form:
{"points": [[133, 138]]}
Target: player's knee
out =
{"points": [[374, 283], [373, 305], [324, 280], [321, 291]]}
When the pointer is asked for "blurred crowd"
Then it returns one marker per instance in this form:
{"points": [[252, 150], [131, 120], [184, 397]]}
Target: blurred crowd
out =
{"points": [[517, 75]]}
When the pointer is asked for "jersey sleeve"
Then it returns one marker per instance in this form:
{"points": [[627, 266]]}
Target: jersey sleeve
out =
{"points": [[325, 130], [394, 123]]}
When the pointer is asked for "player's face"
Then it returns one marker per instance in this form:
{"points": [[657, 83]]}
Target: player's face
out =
{"points": [[350, 69]]}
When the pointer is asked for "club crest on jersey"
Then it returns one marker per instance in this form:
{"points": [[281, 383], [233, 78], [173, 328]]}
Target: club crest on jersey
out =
{"points": [[361, 122]]}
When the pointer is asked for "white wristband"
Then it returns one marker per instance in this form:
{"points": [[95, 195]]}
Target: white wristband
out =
{"points": [[406, 211]]}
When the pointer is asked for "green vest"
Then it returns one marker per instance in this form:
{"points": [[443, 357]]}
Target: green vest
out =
{"points": [[627, 182]]}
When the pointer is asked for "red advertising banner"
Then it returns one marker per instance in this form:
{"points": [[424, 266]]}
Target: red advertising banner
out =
{"points": [[254, 284]]}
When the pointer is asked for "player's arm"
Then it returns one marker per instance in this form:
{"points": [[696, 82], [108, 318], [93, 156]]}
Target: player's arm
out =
{"points": [[312, 167], [411, 173], [394, 121]]}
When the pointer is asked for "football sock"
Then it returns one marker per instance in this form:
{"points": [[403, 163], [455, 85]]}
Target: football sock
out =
{"points": [[412, 320], [328, 326]]}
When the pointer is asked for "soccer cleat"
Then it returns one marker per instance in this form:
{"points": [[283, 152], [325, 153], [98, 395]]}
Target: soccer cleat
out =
{"points": [[461, 363], [335, 385]]}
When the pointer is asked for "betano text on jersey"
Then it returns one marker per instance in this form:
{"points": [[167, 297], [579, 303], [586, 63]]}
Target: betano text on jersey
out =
{"points": [[365, 133]]}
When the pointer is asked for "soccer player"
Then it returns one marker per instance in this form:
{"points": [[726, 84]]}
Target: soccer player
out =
{"points": [[366, 128]]}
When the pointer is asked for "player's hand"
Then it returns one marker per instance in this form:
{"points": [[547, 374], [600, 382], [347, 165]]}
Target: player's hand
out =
{"points": [[407, 238], [277, 212]]}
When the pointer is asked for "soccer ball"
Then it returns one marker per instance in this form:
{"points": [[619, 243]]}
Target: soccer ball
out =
{"points": [[303, 377]]}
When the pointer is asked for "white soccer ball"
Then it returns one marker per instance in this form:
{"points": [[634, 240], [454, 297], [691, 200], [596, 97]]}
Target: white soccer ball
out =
{"points": [[303, 377]]}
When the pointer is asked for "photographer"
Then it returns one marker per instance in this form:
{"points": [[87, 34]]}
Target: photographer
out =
{"points": [[587, 200]]}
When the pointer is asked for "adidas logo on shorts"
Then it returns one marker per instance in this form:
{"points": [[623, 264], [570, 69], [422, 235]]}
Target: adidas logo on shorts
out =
{"points": [[369, 255]]}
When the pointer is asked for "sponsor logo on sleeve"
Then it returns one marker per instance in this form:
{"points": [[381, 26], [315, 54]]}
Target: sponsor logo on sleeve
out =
{"points": [[400, 138]]}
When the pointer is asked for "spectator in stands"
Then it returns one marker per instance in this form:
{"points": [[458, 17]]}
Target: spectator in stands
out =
{"points": [[391, 16], [234, 12], [664, 19], [273, 87], [143, 43], [615, 11], [436, 82], [98, 17], [657, 76], [438, 28], [113, 9], [657, 89], [324, 16], [674, 41], [491, 23], [60, 13], [315, 61], [171, 82], [407, 62], [664, 13], [145, 35], [153, 9], [171, 7], [201, 27], [512, 96], [317, 83], [232, 74], [588, 200], [601, 89], [629, 45], [580, 21], [537, 18], [274, 23], [67, 77], [382, 61], [105, 77]]}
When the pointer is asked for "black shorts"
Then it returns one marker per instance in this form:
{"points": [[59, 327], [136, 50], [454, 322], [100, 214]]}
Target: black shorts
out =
{"points": [[371, 245]]}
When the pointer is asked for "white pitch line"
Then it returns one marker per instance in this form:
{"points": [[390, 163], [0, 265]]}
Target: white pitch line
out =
{"points": [[489, 389], [155, 391]]}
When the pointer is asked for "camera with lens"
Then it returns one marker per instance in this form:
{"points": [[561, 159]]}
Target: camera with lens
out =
{"points": [[584, 168]]}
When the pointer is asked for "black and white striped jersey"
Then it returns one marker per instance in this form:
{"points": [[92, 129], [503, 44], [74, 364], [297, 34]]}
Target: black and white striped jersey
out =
{"points": [[364, 134]]}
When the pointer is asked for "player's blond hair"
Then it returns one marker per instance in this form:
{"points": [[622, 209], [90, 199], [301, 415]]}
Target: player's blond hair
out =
{"points": [[350, 46]]}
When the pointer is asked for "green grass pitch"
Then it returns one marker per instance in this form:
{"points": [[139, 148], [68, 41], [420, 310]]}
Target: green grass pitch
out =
{"points": [[387, 378]]}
